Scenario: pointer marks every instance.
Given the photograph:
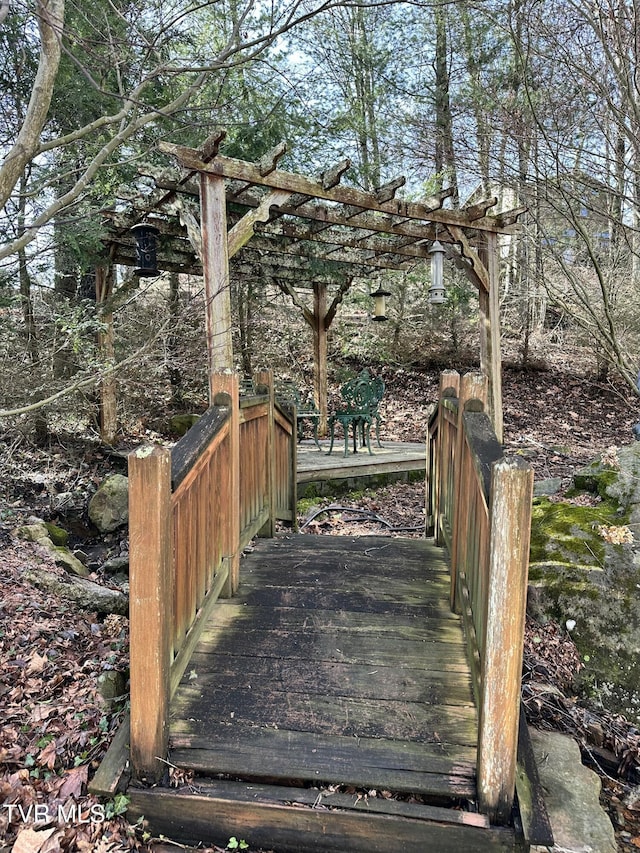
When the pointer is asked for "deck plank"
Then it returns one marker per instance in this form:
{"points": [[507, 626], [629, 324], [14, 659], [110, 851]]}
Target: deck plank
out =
{"points": [[339, 661], [436, 770], [328, 677]]}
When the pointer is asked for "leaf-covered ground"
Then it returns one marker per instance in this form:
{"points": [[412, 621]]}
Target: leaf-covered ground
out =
{"points": [[54, 723]]}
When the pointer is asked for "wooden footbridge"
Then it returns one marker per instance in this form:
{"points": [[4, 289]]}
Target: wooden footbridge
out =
{"points": [[327, 693]]}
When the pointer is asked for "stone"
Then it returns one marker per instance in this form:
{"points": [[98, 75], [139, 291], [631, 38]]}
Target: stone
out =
{"points": [[84, 593], [585, 567], [571, 794], [109, 507], [181, 424], [57, 535], [625, 486], [112, 685], [37, 531], [547, 487], [116, 565]]}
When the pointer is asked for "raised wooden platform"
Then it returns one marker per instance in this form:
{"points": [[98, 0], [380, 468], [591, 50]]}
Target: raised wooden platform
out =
{"points": [[391, 458], [338, 663]]}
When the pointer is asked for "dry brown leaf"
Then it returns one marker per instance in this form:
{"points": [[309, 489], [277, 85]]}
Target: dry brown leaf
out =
{"points": [[47, 756], [41, 712], [32, 841], [36, 664], [74, 782]]}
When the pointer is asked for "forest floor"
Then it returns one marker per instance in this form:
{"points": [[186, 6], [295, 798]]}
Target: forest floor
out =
{"points": [[54, 724]]}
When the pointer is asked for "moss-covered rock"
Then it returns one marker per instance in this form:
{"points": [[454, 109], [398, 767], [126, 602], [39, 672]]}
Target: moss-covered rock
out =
{"points": [[109, 507], [181, 424], [568, 533], [578, 572], [38, 531], [58, 535]]}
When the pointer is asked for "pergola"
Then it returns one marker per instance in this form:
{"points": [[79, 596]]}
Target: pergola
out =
{"points": [[301, 232]]}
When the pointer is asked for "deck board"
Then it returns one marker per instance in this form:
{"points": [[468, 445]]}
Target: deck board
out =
{"points": [[393, 457], [339, 661]]}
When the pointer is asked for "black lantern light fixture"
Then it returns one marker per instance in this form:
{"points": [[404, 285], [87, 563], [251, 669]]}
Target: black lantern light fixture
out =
{"points": [[145, 237], [379, 297], [437, 293]]}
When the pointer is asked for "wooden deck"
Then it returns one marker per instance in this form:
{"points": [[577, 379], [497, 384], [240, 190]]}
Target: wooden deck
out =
{"points": [[338, 663], [393, 457]]}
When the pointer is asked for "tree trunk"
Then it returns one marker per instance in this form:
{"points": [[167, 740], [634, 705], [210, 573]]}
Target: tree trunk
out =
{"points": [[30, 330], [444, 151], [175, 375]]}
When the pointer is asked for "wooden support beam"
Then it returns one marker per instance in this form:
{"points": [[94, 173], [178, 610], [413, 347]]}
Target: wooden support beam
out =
{"points": [[510, 519], [320, 354], [151, 623], [336, 254], [269, 161], [480, 208], [388, 191], [477, 271], [190, 223], [240, 170], [490, 349], [244, 230], [332, 176], [510, 217], [412, 247], [209, 148], [216, 274]]}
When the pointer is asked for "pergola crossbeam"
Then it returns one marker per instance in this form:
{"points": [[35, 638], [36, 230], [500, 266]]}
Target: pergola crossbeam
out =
{"points": [[260, 221]]}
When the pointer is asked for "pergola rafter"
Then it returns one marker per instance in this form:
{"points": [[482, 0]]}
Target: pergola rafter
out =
{"points": [[259, 220]]}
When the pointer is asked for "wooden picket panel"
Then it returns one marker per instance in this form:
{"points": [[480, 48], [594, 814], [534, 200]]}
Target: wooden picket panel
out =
{"points": [[480, 504], [191, 511], [285, 491], [254, 466]]}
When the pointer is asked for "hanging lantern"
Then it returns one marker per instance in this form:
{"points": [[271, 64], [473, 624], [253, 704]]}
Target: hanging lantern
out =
{"points": [[379, 297], [145, 237], [437, 293]]}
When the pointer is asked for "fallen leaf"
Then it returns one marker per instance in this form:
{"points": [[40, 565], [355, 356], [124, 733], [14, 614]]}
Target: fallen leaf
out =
{"points": [[74, 781], [31, 841], [47, 756], [36, 664]]}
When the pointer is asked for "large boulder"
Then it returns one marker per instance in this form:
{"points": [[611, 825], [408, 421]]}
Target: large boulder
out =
{"points": [[109, 507], [585, 572]]}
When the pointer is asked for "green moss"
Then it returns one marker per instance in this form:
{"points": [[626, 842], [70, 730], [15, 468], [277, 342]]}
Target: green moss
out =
{"points": [[57, 535], [305, 505], [308, 492], [606, 479], [567, 533]]}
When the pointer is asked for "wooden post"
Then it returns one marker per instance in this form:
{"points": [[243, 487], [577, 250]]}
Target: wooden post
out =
{"points": [[320, 352], [151, 607], [108, 395], [510, 519], [265, 377], [215, 267], [473, 386], [490, 354], [226, 382]]}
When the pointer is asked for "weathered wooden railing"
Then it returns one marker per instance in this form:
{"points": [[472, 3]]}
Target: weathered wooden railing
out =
{"points": [[191, 512], [480, 508]]}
